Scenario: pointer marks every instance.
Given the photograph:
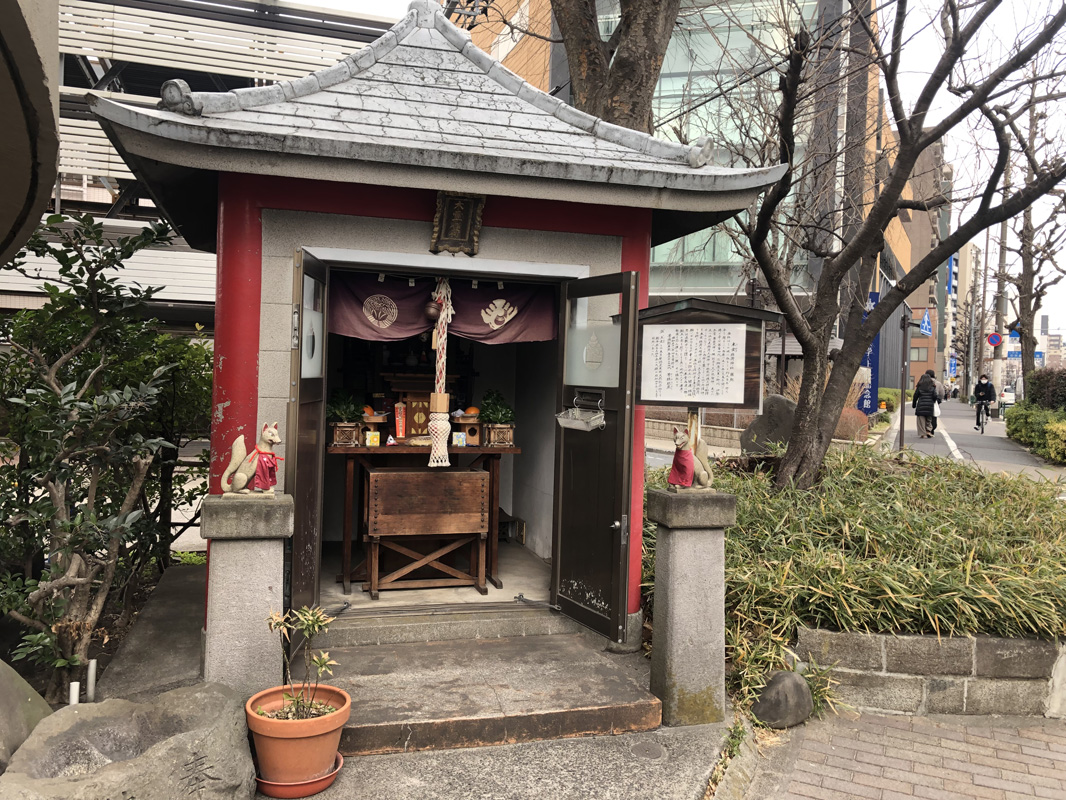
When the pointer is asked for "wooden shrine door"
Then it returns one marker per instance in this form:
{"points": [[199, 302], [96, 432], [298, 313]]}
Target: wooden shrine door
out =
{"points": [[590, 558]]}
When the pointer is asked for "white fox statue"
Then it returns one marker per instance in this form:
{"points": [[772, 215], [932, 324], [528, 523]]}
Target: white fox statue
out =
{"points": [[257, 471]]}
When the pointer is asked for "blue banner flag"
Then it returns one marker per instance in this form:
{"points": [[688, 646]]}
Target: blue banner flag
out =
{"points": [[868, 399]]}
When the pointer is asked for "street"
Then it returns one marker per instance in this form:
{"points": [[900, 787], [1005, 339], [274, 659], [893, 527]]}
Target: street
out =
{"points": [[956, 438]]}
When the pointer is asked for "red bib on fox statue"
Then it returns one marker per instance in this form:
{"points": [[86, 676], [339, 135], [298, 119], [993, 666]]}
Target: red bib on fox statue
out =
{"points": [[266, 469], [691, 469], [683, 470]]}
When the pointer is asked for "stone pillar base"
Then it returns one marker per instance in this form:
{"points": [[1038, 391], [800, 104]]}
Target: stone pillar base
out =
{"points": [[688, 647], [245, 583]]}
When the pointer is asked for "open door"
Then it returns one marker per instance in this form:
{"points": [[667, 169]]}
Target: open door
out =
{"points": [[590, 559], [306, 425]]}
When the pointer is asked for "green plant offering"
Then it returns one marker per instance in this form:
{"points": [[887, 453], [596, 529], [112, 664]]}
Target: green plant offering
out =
{"points": [[300, 702], [343, 408], [495, 409]]}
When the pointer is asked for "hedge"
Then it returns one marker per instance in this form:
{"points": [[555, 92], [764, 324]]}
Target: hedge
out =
{"points": [[1046, 388], [1042, 430]]}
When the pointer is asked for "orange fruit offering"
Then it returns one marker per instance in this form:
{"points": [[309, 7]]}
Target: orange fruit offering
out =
{"points": [[473, 411]]}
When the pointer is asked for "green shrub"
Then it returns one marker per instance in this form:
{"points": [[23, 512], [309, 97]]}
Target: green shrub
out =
{"points": [[924, 546], [890, 397], [1046, 388], [1028, 423], [1056, 441]]}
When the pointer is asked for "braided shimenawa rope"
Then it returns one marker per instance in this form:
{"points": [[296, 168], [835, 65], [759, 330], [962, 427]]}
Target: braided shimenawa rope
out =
{"points": [[443, 296], [439, 426]]}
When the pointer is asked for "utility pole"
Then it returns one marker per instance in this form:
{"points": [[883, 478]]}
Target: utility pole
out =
{"points": [[984, 309], [973, 304], [999, 352]]}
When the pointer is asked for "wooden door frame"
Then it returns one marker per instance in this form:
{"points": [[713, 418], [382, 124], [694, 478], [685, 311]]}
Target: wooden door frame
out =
{"points": [[305, 264]]}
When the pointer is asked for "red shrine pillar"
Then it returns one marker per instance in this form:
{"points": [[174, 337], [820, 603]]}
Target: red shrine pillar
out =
{"points": [[235, 396], [636, 257]]}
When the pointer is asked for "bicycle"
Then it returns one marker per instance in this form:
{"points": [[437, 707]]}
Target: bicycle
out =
{"points": [[982, 415]]}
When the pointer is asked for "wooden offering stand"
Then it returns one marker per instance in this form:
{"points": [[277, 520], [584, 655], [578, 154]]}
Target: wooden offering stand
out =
{"points": [[403, 501]]}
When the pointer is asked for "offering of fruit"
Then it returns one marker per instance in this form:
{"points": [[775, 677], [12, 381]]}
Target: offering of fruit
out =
{"points": [[368, 411], [473, 411]]}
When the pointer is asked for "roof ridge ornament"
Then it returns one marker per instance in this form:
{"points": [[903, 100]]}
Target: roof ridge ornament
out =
{"points": [[177, 96], [426, 10]]}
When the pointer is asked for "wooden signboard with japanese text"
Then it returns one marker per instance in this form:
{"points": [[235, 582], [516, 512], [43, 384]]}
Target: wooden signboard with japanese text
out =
{"points": [[698, 353]]}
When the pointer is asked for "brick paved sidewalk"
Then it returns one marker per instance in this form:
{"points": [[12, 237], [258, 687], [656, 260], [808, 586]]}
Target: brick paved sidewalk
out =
{"points": [[941, 758]]}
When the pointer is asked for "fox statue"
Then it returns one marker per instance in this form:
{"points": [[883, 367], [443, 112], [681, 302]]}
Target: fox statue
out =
{"points": [[257, 471], [690, 470]]}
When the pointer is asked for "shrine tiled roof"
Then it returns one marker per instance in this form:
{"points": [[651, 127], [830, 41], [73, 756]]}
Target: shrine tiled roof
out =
{"points": [[423, 95]]}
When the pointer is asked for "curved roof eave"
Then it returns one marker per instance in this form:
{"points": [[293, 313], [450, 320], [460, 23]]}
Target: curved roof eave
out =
{"points": [[167, 128]]}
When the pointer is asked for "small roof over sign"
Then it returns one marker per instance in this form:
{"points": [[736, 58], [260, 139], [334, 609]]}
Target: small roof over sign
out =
{"points": [[423, 106]]}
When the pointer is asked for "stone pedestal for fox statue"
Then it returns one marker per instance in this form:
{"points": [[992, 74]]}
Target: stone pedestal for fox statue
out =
{"points": [[255, 472]]}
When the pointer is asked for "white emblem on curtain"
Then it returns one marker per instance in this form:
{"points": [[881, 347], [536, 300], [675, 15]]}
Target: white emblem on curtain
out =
{"points": [[380, 310], [498, 314]]}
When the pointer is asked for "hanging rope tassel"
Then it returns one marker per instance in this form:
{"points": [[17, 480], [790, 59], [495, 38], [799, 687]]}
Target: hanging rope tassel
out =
{"points": [[440, 428]]}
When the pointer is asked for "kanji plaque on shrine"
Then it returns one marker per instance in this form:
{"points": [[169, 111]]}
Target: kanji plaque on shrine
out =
{"points": [[457, 223]]}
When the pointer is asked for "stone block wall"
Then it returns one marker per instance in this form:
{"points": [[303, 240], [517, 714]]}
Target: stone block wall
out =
{"points": [[712, 436], [945, 675]]}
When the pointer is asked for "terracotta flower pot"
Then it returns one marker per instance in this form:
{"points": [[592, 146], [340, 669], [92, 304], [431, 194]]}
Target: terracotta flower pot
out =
{"points": [[293, 750]]}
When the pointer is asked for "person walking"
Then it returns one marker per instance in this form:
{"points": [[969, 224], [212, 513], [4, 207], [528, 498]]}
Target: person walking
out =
{"points": [[984, 393], [941, 394], [926, 399]]}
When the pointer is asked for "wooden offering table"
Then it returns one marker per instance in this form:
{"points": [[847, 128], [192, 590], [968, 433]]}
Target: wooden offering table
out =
{"points": [[404, 501]]}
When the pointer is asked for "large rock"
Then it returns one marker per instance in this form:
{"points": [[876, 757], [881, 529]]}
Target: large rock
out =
{"points": [[772, 426], [785, 700], [21, 709], [187, 743]]}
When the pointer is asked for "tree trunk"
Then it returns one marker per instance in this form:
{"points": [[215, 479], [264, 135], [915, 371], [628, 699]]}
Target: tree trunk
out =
{"points": [[802, 443], [616, 80]]}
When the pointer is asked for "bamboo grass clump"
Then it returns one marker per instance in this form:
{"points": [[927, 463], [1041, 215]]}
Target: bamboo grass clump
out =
{"points": [[926, 546]]}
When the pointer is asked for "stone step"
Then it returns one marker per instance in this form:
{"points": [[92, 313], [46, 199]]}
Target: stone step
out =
{"points": [[435, 623], [469, 693]]}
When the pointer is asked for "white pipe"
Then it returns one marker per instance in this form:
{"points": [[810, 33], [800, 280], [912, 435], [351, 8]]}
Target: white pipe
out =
{"points": [[75, 692], [90, 689]]}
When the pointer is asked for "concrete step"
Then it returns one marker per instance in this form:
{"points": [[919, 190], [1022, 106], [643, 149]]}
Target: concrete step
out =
{"points": [[469, 693], [435, 623]]}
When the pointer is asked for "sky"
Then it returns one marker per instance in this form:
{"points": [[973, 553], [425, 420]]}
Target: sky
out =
{"points": [[960, 149]]}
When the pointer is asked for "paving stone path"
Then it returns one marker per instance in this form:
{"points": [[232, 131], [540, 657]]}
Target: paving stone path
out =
{"points": [[943, 758]]}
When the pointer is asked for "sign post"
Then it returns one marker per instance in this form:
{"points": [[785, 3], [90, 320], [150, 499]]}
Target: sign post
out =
{"points": [[926, 328], [995, 339], [905, 325]]}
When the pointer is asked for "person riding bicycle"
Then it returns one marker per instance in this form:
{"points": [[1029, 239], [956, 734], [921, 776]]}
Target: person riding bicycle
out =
{"points": [[984, 392]]}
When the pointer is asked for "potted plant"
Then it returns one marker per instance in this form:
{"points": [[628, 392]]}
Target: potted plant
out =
{"points": [[296, 727], [347, 419], [498, 420]]}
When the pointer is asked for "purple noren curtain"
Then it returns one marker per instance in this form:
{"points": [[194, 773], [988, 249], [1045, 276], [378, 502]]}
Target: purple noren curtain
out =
{"points": [[387, 310]]}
